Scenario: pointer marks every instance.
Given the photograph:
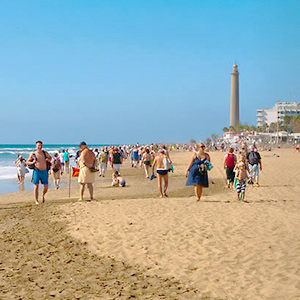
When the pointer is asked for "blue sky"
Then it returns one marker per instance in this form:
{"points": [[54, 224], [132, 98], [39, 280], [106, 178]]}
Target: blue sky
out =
{"points": [[141, 71]]}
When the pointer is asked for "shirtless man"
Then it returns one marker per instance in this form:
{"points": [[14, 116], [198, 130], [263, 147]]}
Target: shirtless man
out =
{"points": [[87, 172], [162, 173], [39, 159]]}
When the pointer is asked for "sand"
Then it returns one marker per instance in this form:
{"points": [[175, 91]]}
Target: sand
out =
{"points": [[131, 244]]}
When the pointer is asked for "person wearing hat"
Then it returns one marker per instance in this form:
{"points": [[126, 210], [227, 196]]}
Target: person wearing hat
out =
{"points": [[87, 173], [117, 160]]}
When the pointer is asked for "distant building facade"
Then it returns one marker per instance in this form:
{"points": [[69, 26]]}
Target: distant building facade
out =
{"points": [[280, 110]]}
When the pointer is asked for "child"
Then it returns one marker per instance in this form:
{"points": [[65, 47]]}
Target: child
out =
{"points": [[117, 180], [241, 176]]}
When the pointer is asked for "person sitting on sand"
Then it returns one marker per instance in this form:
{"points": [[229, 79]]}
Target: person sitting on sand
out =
{"points": [[197, 171], [241, 180], [56, 170], [40, 161], [87, 161], [161, 161], [117, 180]]}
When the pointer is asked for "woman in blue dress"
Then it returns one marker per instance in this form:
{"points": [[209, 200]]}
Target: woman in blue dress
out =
{"points": [[197, 171]]}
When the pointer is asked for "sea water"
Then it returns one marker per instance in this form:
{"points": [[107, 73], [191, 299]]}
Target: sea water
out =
{"points": [[8, 170]]}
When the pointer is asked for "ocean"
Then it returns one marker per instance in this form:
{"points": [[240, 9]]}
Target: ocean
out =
{"points": [[8, 170]]}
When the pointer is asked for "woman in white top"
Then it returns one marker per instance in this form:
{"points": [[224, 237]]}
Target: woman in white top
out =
{"points": [[21, 170]]}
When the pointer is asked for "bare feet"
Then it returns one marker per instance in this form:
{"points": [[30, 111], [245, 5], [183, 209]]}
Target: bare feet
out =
{"points": [[43, 200]]}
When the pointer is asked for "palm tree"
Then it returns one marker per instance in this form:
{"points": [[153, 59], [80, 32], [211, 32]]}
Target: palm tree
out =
{"points": [[214, 137], [208, 141]]}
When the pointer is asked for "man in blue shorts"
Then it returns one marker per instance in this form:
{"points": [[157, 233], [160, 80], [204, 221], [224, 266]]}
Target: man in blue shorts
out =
{"points": [[40, 162]]}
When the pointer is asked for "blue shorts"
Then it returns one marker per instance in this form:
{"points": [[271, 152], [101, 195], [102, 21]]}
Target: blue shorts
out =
{"points": [[40, 176]]}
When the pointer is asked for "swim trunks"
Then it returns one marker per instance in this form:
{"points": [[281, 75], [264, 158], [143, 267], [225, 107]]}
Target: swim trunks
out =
{"points": [[162, 172], [40, 176]]}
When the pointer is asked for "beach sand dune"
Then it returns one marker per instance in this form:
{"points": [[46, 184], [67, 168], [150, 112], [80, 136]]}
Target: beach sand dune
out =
{"points": [[171, 248]]}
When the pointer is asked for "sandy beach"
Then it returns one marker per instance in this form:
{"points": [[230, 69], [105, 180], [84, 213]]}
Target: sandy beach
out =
{"points": [[130, 244]]}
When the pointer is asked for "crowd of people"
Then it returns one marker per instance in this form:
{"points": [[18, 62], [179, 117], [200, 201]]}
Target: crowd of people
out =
{"points": [[242, 166]]}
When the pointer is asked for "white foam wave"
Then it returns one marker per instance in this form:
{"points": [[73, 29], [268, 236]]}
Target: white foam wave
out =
{"points": [[8, 173]]}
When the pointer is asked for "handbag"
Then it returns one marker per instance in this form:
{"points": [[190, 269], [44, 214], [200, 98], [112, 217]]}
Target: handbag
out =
{"points": [[202, 168]]}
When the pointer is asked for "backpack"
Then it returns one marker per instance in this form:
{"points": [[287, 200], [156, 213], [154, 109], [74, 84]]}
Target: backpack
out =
{"points": [[103, 157], [117, 158], [55, 167], [230, 160], [253, 158], [48, 163]]}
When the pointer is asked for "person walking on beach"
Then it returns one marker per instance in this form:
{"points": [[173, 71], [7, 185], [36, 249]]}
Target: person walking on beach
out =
{"points": [[103, 160], [56, 170], [254, 161], [197, 171], [21, 171], [67, 160], [62, 163], [241, 180], [40, 162], [162, 170], [229, 164], [87, 162], [117, 160], [147, 162]]}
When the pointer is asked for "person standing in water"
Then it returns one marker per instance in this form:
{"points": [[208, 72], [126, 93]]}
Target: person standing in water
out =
{"points": [[197, 171], [21, 171], [87, 162], [40, 162]]}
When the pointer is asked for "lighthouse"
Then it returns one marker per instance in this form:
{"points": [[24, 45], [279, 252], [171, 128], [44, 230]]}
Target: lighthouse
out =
{"points": [[234, 97]]}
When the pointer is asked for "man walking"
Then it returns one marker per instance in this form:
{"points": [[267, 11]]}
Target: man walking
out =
{"points": [[87, 162], [40, 162], [254, 161]]}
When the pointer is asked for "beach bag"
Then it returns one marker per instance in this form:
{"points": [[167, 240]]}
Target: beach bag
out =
{"points": [[167, 165], [202, 168]]}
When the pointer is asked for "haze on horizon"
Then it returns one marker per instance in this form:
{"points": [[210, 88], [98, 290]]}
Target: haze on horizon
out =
{"points": [[141, 71]]}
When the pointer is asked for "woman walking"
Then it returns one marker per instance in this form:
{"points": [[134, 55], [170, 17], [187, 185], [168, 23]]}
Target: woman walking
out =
{"points": [[21, 170], [56, 170], [147, 162], [197, 170]]}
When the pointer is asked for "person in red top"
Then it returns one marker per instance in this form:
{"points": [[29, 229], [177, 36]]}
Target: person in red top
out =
{"points": [[229, 164]]}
